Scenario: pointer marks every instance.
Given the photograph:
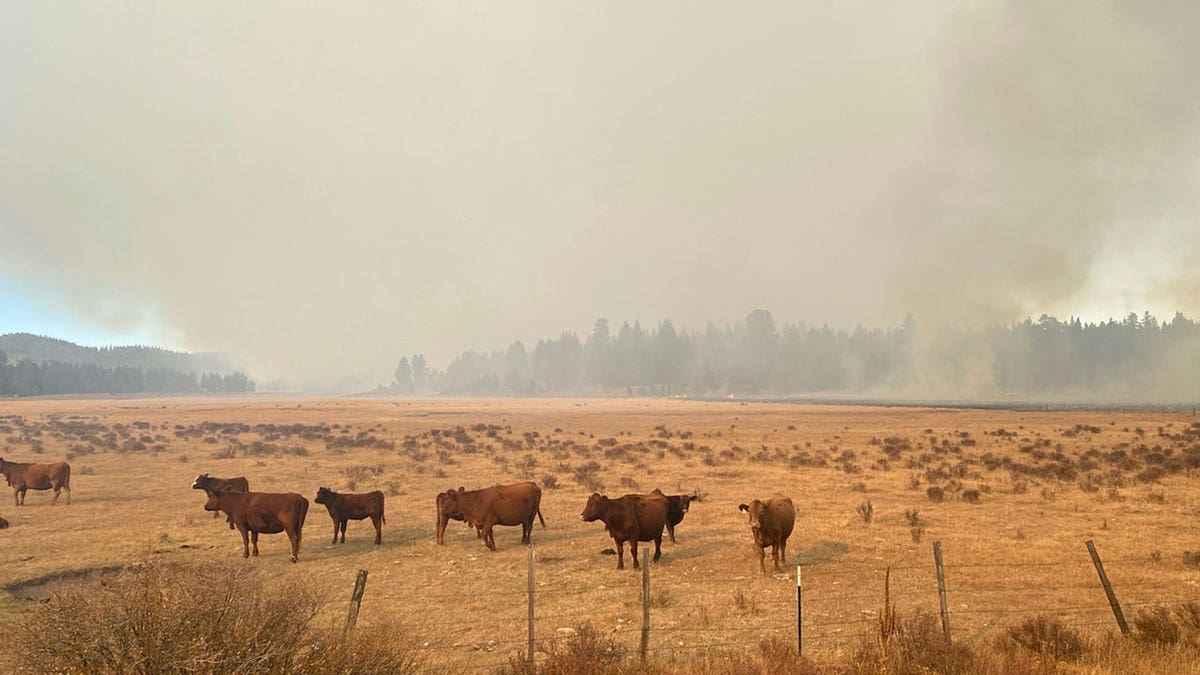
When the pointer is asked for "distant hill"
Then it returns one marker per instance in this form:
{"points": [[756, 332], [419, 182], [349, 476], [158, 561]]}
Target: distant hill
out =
{"points": [[41, 349]]}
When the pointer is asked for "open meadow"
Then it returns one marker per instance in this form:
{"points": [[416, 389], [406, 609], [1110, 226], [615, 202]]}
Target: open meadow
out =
{"points": [[1011, 495]]}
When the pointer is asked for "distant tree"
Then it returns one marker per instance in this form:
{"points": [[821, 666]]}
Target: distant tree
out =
{"points": [[420, 372], [403, 377]]}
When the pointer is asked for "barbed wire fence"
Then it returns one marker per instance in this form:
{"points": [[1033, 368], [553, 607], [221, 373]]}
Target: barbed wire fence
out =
{"points": [[834, 606]]}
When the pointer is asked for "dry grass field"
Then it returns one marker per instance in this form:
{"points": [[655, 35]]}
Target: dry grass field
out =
{"points": [[1021, 492]]}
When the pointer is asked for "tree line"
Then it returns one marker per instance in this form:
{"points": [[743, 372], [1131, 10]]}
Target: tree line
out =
{"points": [[30, 378], [1135, 358]]}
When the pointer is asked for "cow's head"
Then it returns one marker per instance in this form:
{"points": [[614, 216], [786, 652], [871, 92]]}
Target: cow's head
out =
{"points": [[592, 511], [200, 482], [323, 495], [755, 509], [213, 503]]}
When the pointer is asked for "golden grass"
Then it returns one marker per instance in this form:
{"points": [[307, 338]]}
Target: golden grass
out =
{"points": [[1016, 553]]}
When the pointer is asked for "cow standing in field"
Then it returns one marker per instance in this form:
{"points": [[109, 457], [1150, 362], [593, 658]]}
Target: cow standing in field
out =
{"points": [[344, 508], [631, 518], [254, 513], [514, 504], [209, 483], [22, 477], [771, 523], [677, 508]]}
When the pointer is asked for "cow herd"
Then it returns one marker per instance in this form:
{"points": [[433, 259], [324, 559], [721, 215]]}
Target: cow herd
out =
{"points": [[632, 518]]}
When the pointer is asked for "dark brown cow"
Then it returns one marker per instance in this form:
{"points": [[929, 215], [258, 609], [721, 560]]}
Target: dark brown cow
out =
{"points": [[514, 504], [344, 508], [255, 513], [677, 508], [208, 483], [631, 518], [22, 477], [771, 524]]}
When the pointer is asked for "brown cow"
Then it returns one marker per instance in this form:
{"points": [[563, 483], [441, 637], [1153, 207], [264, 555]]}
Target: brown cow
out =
{"points": [[343, 508], [208, 483], [631, 518], [514, 504], [771, 524], [677, 508], [255, 513], [24, 477]]}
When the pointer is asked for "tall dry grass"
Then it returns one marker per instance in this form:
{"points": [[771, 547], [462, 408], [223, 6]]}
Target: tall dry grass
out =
{"points": [[160, 617]]}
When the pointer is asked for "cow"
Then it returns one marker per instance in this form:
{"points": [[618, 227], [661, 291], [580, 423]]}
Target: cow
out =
{"points": [[255, 513], [771, 524], [208, 483], [631, 518], [22, 477], [677, 508], [514, 504], [343, 508]]}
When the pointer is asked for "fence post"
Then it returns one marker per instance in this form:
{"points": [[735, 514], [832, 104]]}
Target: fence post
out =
{"points": [[799, 615], [1112, 597], [645, 607], [530, 597], [360, 585], [941, 579]]}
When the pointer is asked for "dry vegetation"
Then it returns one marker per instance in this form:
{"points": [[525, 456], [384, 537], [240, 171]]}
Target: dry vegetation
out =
{"points": [[1011, 496]]}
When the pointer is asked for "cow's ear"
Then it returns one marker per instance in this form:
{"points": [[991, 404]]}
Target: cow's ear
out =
{"points": [[462, 489], [743, 507]]}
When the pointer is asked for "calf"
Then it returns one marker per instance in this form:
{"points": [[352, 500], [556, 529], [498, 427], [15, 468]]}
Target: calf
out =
{"points": [[344, 508], [208, 483], [771, 524], [677, 508], [254, 513], [22, 477], [631, 518]]}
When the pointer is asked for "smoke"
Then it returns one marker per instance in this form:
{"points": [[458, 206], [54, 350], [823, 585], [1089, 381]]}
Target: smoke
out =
{"points": [[320, 190]]}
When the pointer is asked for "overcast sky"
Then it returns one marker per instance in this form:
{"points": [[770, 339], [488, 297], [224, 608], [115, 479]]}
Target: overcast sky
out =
{"points": [[320, 188]]}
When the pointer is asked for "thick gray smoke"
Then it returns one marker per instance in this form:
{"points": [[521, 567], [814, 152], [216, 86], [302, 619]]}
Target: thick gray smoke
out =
{"points": [[320, 189]]}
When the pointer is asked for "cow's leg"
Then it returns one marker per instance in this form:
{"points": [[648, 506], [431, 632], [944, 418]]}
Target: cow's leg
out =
{"points": [[620, 555], [658, 547], [293, 534], [16, 496], [245, 542], [671, 531], [23, 491], [378, 530], [335, 529], [54, 500], [489, 537], [68, 489], [526, 529], [228, 519], [345, 521], [782, 553], [762, 557], [254, 540], [633, 550]]}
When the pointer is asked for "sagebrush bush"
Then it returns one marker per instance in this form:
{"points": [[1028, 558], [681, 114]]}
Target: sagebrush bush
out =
{"points": [[173, 618], [1046, 635]]}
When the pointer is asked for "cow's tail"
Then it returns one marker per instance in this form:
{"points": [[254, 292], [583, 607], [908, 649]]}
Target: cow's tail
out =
{"points": [[539, 514], [303, 513]]}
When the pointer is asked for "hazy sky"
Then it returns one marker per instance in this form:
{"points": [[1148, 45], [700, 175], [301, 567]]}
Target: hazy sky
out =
{"points": [[320, 188]]}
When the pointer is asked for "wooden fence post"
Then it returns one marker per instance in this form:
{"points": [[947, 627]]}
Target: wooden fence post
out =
{"points": [[1112, 597], [799, 614], [941, 579], [360, 585], [645, 646], [529, 656]]}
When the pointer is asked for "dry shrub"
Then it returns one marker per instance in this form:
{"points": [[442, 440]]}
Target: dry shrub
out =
{"points": [[1162, 625], [915, 647], [1048, 636], [1191, 559], [170, 618], [587, 650], [935, 493]]}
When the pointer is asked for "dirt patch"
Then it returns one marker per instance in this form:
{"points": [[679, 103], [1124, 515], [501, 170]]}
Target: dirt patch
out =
{"points": [[40, 589], [825, 551]]}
